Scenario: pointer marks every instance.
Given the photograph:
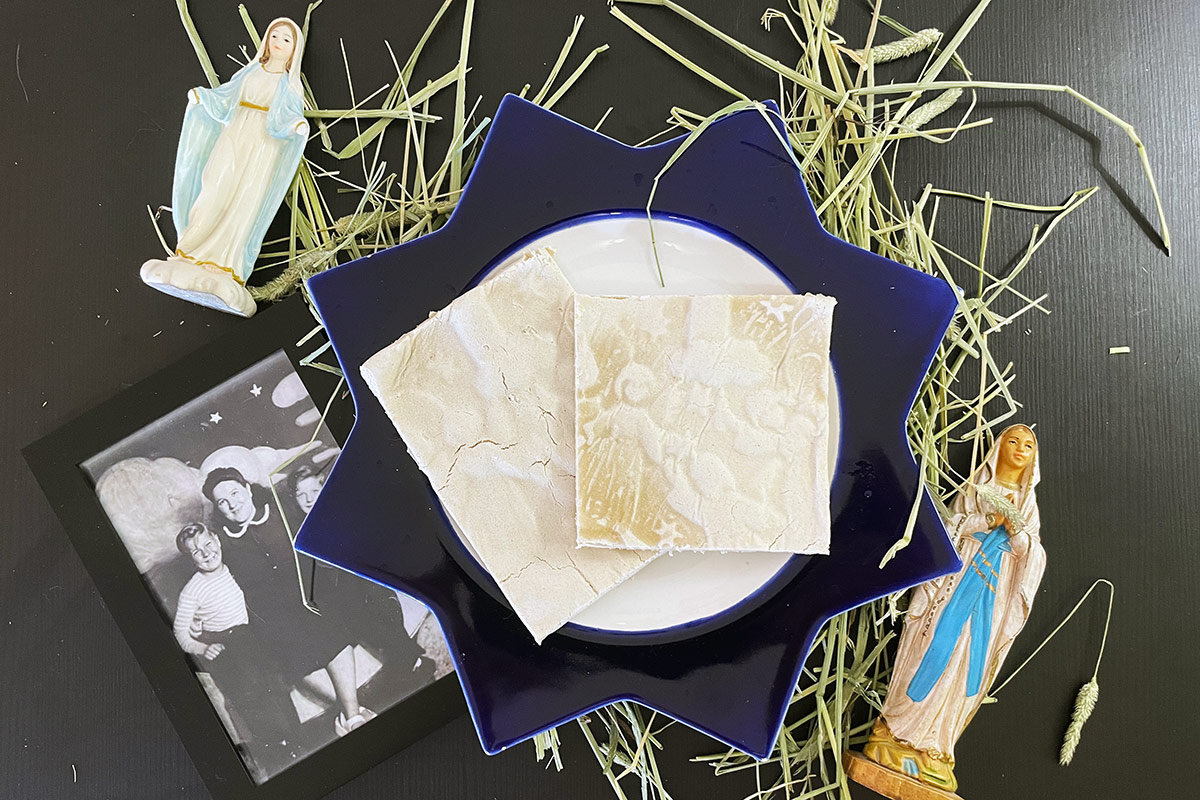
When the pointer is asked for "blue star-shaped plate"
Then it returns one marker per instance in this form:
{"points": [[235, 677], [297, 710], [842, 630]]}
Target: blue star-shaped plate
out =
{"points": [[731, 674]]}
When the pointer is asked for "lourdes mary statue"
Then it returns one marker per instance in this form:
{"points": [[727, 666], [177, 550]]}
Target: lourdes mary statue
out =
{"points": [[960, 627], [238, 152]]}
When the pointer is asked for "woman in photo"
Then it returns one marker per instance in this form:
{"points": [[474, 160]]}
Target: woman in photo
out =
{"points": [[359, 604], [306, 484], [260, 555]]}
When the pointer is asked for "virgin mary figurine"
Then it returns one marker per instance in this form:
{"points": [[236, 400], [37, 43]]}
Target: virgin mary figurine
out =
{"points": [[238, 152], [960, 627]]}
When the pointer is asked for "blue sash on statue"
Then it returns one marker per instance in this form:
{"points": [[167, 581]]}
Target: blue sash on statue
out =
{"points": [[972, 604]]}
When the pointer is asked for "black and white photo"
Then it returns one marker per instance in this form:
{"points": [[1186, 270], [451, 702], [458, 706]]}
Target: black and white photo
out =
{"points": [[293, 654]]}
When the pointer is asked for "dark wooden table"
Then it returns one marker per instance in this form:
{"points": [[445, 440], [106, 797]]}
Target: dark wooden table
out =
{"points": [[93, 98]]}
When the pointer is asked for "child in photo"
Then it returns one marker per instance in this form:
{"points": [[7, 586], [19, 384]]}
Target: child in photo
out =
{"points": [[212, 625], [211, 604]]}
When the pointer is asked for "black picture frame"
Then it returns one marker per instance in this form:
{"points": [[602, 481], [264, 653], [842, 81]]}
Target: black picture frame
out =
{"points": [[56, 461]]}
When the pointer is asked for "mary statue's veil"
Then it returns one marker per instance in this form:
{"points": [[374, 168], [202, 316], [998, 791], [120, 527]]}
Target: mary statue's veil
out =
{"points": [[294, 82]]}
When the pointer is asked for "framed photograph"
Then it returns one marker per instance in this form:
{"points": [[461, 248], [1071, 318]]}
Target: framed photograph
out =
{"points": [[284, 677]]}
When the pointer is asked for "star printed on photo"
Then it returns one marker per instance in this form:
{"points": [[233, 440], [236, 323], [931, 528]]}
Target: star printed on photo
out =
{"points": [[215, 417], [256, 390], [731, 675]]}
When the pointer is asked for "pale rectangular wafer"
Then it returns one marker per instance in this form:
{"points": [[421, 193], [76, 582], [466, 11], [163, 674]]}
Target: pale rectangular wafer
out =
{"points": [[483, 395], [702, 422]]}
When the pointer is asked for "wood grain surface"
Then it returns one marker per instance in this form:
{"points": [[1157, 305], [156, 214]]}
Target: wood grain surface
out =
{"points": [[93, 97]]}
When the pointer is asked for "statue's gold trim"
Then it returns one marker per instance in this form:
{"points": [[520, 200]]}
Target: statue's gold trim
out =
{"points": [[224, 269]]}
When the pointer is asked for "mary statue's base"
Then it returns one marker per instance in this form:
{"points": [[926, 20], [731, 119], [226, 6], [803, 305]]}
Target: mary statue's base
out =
{"points": [[888, 783], [189, 281]]}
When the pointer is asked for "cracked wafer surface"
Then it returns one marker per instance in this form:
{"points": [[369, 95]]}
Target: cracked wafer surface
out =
{"points": [[483, 395], [702, 422]]}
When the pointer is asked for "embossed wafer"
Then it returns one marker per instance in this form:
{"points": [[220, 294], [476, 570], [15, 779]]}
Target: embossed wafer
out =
{"points": [[702, 422]]}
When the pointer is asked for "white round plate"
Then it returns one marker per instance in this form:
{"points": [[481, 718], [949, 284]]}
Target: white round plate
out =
{"points": [[612, 255]]}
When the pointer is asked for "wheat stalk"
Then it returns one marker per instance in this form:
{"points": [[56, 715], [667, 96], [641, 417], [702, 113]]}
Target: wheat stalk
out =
{"points": [[1085, 703], [902, 48]]}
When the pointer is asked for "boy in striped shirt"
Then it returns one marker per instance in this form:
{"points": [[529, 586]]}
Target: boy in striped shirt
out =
{"points": [[210, 619], [211, 603]]}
